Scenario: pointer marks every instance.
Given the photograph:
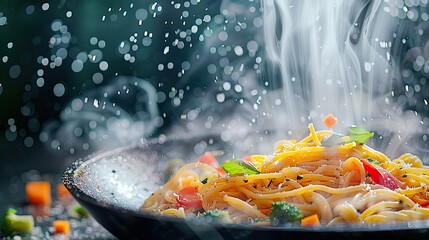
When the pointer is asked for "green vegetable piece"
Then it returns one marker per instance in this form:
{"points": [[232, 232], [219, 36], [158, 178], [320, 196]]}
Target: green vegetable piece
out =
{"points": [[217, 216], [358, 134], [333, 140], [237, 166], [80, 211], [373, 161], [284, 212], [256, 220], [12, 223]]}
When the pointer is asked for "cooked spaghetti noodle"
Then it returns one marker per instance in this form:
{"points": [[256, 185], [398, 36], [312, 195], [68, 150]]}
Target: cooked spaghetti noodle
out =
{"points": [[344, 182]]}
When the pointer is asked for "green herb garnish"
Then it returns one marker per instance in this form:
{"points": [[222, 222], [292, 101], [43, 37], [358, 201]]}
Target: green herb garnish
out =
{"points": [[238, 166], [373, 161], [358, 134]]}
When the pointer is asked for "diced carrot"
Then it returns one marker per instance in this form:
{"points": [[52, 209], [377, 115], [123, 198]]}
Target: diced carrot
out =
{"points": [[330, 120], [38, 192], [62, 191], [266, 211], [61, 227], [310, 221]]}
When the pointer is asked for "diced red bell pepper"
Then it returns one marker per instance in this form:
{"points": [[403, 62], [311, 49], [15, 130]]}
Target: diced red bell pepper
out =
{"points": [[188, 197], [209, 159], [381, 176]]}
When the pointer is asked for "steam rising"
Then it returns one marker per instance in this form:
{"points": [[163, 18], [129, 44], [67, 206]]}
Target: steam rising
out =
{"points": [[335, 57], [118, 114]]}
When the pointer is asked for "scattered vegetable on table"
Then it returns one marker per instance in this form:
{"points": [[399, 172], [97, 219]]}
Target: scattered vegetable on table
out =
{"points": [[12, 223]]}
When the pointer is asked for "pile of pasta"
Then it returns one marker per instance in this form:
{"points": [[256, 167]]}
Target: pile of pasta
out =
{"points": [[344, 182]]}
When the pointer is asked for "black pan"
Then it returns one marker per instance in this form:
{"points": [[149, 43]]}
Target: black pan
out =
{"points": [[113, 185]]}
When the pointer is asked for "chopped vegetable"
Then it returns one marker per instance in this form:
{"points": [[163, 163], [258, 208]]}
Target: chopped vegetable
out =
{"points": [[209, 159], [330, 120], [78, 212], [358, 134], [188, 197], [380, 175], [218, 216], [12, 223], [38, 192], [62, 191], [310, 221], [81, 211], [284, 212], [239, 167], [61, 227], [373, 161]]}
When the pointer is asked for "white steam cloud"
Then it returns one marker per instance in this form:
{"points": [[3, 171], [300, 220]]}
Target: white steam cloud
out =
{"points": [[335, 57]]}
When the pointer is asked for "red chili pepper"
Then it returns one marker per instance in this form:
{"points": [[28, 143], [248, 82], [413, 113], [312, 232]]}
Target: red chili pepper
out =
{"points": [[380, 175], [209, 159], [188, 197]]}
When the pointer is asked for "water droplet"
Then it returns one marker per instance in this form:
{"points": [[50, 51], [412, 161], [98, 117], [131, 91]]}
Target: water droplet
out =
{"points": [[223, 36], [141, 14], [45, 6], [3, 20], [147, 41], [40, 82], [166, 49], [59, 89], [77, 65], [220, 97], [14, 71], [30, 9], [28, 141], [238, 50], [97, 78], [367, 66], [211, 68], [103, 66]]}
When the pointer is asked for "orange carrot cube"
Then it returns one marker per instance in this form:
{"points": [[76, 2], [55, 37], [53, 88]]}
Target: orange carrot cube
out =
{"points": [[330, 120], [61, 227], [38, 192]]}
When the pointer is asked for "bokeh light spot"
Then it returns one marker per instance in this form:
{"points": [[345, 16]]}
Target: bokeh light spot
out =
{"points": [[14, 71], [59, 89]]}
